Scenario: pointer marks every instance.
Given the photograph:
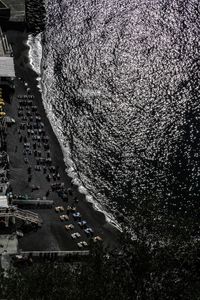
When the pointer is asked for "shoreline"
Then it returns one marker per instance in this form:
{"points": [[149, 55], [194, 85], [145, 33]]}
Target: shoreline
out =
{"points": [[71, 173], [96, 218]]}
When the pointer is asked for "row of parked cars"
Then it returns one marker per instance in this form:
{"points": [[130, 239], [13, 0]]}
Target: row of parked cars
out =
{"points": [[82, 223]]}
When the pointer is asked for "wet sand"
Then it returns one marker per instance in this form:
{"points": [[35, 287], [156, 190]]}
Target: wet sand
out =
{"points": [[52, 235]]}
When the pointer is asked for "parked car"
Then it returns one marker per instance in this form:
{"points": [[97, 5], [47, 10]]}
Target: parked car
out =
{"points": [[97, 238], [70, 226], [59, 208], [76, 215], [89, 232], [19, 233], [82, 244], [64, 218], [82, 224], [75, 235]]}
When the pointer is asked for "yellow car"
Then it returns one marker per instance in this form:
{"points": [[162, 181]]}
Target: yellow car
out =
{"points": [[64, 218], [59, 208], [97, 239], [2, 114], [70, 226]]}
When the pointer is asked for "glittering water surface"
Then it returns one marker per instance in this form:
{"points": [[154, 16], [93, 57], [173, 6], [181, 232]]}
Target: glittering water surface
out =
{"points": [[122, 81]]}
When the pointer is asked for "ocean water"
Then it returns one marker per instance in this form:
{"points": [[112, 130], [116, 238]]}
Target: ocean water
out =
{"points": [[120, 82]]}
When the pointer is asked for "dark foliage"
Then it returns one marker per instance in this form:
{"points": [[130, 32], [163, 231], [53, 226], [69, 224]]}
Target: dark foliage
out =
{"points": [[139, 270]]}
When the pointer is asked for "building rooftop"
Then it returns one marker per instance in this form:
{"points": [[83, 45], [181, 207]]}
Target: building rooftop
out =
{"points": [[3, 201], [2, 4], [17, 9], [8, 243], [7, 67]]}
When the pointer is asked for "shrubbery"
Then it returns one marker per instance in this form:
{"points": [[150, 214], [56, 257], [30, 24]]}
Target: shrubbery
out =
{"points": [[139, 270]]}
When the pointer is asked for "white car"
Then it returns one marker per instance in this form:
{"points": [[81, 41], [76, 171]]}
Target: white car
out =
{"points": [[97, 239], [19, 233], [64, 218], [75, 235], [70, 226], [80, 245], [84, 243], [59, 208]]}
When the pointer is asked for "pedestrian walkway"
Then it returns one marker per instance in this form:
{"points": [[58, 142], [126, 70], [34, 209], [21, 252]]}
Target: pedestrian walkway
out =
{"points": [[25, 215]]}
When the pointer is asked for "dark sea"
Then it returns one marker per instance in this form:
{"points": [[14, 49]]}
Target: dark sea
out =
{"points": [[121, 87]]}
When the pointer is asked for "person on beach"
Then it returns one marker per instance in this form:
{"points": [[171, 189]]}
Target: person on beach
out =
{"points": [[29, 170], [75, 199], [70, 193]]}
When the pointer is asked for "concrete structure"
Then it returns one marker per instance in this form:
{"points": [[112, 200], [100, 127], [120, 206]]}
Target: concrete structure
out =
{"points": [[42, 256], [7, 70], [8, 243], [4, 12], [12, 213], [8, 246], [3, 202], [17, 10], [5, 48], [55, 253], [7, 74], [33, 202]]}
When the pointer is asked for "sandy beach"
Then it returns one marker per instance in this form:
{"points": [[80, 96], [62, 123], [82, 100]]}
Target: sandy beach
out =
{"points": [[52, 235]]}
